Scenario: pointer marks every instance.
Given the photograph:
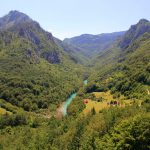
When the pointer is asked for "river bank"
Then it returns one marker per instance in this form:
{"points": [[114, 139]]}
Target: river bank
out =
{"points": [[62, 110]]}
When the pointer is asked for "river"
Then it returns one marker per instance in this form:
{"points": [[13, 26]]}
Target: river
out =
{"points": [[85, 82], [69, 100]]}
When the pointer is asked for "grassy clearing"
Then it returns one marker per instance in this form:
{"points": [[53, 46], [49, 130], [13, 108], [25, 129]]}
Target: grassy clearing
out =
{"points": [[106, 98], [94, 104], [4, 111], [105, 95]]}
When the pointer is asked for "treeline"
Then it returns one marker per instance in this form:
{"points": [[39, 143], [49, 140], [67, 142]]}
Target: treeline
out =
{"points": [[114, 128], [28, 79], [19, 119], [12, 120], [33, 88], [126, 72]]}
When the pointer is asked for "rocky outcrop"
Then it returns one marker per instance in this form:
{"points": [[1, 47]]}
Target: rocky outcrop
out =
{"points": [[36, 43], [51, 57], [26, 33], [135, 32]]}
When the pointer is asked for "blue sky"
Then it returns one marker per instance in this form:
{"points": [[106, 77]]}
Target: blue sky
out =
{"points": [[67, 18]]}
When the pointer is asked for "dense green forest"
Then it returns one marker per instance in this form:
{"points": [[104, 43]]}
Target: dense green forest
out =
{"points": [[125, 70], [33, 68], [38, 72]]}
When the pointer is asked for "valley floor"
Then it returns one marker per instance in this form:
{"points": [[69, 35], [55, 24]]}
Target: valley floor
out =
{"points": [[106, 100]]}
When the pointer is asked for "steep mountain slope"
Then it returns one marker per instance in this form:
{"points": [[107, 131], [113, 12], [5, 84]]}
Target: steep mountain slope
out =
{"points": [[125, 70], [12, 19], [39, 71], [34, 71], [93, 44], [25, 28], [134, 32], [74, 52]]}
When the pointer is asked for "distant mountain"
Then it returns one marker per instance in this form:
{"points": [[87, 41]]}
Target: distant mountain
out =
{"points": [[74, 52], [124, 67], [27, 29], [34, 70], [21, 24], [134, 32], [13, 18], [93, 44], [38, 72]]}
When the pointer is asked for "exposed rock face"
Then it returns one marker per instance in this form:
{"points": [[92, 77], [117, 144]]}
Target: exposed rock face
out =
{"points": [[29, 35], [49, 36], [6, 37], [93, 44], [51, 57], [134, 32], [33, 57], [13, 18], [37, 40]]}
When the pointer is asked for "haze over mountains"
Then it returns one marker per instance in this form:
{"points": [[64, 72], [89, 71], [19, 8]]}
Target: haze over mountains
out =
{"points": [[30, 59], [93, 44], [38, 72], [36, 54], [134, 33], [126, 62], [27, 29]]}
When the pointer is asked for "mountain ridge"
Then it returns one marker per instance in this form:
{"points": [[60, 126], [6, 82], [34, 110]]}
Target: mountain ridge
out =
{"points": [[93, 44], [134, 32], [34, 85], [125, 69], [32, 61]]}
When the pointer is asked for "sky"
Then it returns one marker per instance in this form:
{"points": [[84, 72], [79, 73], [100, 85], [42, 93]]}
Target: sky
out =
{"points": [[68, 18]]}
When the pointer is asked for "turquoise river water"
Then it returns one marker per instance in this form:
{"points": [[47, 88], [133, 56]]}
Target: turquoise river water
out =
{"points": [[69, 100]]}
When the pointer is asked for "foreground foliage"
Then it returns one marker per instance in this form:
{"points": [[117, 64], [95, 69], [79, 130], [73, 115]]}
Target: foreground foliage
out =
{"points": [[114, 128]]}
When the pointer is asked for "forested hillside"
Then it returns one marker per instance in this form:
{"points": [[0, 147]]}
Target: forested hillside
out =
{"points": [[125, 70], [108, 80], [35, 72], [91, 45]]}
